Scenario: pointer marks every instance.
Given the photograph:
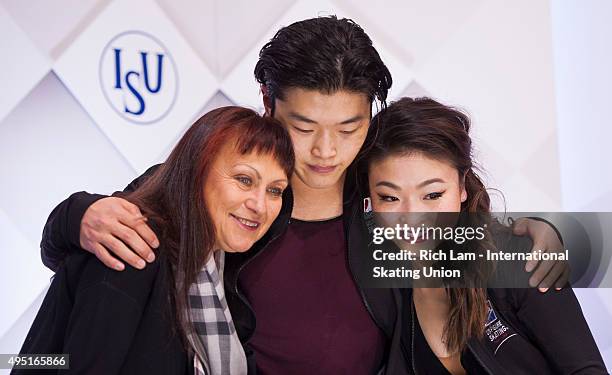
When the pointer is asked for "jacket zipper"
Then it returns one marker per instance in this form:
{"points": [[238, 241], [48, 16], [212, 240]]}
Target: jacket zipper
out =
{"points": [[348, 259], [240, 295], [365, 302], [412, 314]]}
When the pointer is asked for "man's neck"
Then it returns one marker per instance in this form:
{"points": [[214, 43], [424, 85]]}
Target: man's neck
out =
{"points": [[316, 204]]}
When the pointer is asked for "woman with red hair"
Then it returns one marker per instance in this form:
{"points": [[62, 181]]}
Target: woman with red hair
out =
{"points": [[219, 191]]}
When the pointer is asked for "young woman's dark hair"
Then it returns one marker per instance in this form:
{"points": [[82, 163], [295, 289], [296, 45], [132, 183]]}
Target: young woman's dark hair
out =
{"points": [[435, 130], [326, 54], [173, 196], [412, 131], [425, 126]]}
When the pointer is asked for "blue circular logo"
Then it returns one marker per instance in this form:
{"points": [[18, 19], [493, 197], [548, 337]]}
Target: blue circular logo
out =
{"points": [[138, 77]]}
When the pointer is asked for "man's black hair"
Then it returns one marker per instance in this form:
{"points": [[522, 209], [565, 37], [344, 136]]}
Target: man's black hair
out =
{"points": [[326, 54]]}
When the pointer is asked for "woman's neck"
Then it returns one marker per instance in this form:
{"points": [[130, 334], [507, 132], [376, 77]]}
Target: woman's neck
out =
{"points": [[316, 203], [432, 295]]}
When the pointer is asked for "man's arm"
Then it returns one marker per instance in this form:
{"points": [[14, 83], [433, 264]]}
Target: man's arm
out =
{"points": [[57, 239], [98, 224], [555, 322], [547, 238]]}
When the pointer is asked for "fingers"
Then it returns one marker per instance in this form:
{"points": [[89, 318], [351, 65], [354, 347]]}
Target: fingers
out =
{"points": [[564, 279], [531, 264], [520, 226], [552, 277], [119, 248], [547, 273], [550, 273], [109, 261], [540, 273], [130, 207], [99, 220], [139, 236], [114, 225], [145, 231], [543, 236], [133, 239], [543, 268]]}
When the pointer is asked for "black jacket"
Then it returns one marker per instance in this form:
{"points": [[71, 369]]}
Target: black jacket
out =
{"points": [[384, 305], [109, 322], [527, 332]]}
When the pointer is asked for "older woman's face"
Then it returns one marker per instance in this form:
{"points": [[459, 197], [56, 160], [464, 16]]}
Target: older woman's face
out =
{"points": [[243, 194]]}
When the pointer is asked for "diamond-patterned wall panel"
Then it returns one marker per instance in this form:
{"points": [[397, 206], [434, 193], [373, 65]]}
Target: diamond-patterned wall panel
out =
{"points": [[56, 148], [22, 64], [137, 77], [196, 21], [78, 127], [52, 25], [501, 74], [216, 101], [17, 255], [413, 29]]}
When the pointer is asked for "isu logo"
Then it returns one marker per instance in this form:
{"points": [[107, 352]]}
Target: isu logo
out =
{"points": [[138, 77]]}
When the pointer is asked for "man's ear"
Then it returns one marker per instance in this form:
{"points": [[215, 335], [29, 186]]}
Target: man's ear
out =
{"points": [[267, 100]]}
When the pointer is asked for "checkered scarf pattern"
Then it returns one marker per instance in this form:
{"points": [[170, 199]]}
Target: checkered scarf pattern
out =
{"points": [[216, 344]]}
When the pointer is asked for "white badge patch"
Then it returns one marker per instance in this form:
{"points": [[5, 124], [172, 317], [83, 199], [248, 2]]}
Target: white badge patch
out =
{"points": [[496, 331]]}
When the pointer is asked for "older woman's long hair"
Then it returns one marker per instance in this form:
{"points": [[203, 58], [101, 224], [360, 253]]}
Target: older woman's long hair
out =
{"points": [[425, 126], [173, 196]]}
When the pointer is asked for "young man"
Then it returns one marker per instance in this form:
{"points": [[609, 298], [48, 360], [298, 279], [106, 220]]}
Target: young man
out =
{"points": [[296, 303]]}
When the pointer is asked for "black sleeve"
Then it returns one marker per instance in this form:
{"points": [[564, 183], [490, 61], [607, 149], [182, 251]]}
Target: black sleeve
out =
{"points": [[580, 232], [62, 230], [140, 179], [555, 322]]}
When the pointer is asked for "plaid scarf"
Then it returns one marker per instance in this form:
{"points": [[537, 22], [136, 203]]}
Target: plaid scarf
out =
{"points": [[217, 347]]}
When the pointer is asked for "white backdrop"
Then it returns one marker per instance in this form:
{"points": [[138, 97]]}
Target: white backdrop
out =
{"points": [[533, 75]]}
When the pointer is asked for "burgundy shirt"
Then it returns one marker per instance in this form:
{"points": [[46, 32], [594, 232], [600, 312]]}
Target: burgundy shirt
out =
{"points": [[310, 315]]}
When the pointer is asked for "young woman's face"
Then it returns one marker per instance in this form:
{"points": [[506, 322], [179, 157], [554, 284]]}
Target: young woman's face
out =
{"points": [[415, 182], [327, 132], [243, 195]]}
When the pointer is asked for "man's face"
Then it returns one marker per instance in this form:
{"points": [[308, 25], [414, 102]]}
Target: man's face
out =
{"points": [[327, 132]]}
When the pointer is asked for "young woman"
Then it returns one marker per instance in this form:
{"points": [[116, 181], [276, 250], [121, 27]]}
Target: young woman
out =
{"points": [[467, 330], [219, 191]]}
